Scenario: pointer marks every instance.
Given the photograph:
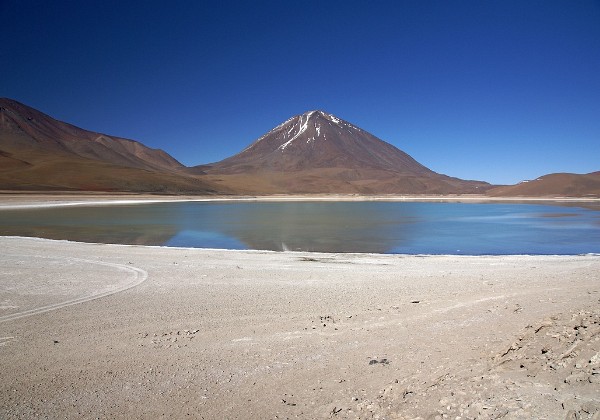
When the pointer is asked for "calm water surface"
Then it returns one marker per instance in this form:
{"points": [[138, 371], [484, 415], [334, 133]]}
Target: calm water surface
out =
{"points": [[381, 227]]}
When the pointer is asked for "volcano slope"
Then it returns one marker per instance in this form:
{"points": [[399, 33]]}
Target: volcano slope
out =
{"points": [[317, 152]]}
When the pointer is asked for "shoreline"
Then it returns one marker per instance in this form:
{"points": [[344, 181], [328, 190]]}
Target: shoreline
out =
{"points": [[14, 201], [264, 334], [295, 252]]}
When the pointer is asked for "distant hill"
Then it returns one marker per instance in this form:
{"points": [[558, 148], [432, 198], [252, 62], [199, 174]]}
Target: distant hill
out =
{"points": [[38, 152], [317, 152], [553, 185]]}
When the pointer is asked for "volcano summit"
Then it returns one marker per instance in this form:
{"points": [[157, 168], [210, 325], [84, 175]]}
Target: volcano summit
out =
{"points": [[317, 152]]}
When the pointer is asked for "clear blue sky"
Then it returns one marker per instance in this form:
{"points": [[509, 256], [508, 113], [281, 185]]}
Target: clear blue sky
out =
{"points": [[494, 90]]}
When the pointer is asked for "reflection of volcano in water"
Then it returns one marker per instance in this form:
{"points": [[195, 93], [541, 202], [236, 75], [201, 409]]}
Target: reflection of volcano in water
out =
{"points": [[293, 226], [306, 226], [378, 227], [320, 227]]}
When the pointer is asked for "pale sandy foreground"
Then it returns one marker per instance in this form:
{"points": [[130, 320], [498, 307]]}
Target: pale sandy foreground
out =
{"points": [[105, 331]]}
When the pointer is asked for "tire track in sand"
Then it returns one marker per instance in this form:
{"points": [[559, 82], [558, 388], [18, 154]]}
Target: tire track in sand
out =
{"points": [[139, 276]]}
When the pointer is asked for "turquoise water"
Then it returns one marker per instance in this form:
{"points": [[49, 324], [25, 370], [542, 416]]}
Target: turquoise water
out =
{"points": [[380, 227]]}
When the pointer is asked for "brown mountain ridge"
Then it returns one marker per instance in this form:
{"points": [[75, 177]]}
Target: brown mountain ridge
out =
{"points": [[553, 185], [314, 152], [40, 153]]}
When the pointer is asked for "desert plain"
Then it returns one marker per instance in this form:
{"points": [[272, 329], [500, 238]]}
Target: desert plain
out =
{"points": [[115, 331]]}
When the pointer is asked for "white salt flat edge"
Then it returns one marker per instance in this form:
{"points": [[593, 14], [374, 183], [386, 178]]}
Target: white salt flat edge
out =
{"points": [[266, 251], [345, 198]]}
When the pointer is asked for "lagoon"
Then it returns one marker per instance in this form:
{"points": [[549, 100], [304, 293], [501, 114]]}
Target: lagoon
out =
{"points": [[364, 227]]}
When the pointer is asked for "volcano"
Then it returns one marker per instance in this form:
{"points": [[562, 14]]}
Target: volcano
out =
{"points": [[317, 152]]}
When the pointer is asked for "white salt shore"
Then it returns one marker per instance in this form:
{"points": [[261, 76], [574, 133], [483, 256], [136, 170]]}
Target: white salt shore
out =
{"points": [[247, 334], [113, 331], [24, 201]]}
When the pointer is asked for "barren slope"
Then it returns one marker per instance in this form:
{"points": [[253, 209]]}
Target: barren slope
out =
{"points": [[38, 152], [552, 185], [317, 152]]}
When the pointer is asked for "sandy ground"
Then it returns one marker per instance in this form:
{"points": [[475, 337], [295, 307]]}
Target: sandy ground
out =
{"points": [[108, 331]]}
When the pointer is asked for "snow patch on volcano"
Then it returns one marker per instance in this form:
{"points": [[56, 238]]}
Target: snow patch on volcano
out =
{"points": [[302, 129]]}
